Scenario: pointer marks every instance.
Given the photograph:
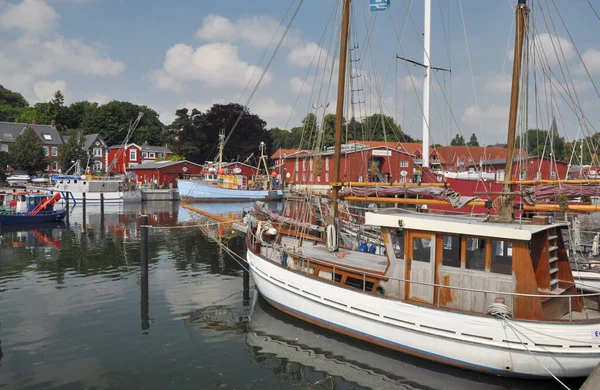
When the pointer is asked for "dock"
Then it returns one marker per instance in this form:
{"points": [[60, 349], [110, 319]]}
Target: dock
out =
{"points": [[169, 194], [237, 225], [593, 381]]}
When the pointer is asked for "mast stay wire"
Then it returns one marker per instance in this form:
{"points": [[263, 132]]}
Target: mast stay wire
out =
{"points": [[262, 76]]}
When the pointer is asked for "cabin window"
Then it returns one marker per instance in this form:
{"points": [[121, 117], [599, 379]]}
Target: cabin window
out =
{"points": [[358, 283], [475, 254], [398, 243], [422, 249], [451, 256], [501, 257]]}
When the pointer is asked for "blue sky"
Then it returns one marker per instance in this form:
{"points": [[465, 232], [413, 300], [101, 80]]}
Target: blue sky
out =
{"points": [[180, 53]]}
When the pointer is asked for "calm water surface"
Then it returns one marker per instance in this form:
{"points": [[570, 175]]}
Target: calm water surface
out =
{"points": [[72, 316]]}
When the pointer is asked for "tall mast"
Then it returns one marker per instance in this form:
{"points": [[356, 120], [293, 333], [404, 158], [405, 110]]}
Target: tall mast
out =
{"points": [[521, 13], [426, 80], [339, 110], [221, 144]]}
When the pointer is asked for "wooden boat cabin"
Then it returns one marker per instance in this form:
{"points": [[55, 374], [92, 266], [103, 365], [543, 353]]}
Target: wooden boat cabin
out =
{"points": [[450, 262]]}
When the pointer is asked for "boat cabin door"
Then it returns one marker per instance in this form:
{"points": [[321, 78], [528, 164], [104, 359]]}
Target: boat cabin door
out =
{"points": [[421, 254]]}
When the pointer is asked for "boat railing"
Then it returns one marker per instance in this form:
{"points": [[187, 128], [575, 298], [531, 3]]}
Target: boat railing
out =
{"points": [[304, 267]]}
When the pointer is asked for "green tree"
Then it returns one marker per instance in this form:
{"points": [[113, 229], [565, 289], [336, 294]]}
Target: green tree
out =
{"points": [[72, 151], [280, 138], [458, 140], [539, 143], [75, 114], [12, 104], [378, 127], [27, 152], [586, 150], [186, 137], [473, 140], [112, 120]]}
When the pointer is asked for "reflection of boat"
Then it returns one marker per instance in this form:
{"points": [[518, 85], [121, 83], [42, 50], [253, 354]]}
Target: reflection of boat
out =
{"points": [[272, 333], [32, 208]]}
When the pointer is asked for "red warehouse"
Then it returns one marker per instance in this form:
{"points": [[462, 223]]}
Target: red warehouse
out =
{"points": [[528, 168], [357, 163], [164, 173], [122, 158]]}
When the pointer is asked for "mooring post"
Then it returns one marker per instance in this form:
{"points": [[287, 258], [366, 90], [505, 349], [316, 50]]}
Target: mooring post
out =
{"points": [[246, 288], [102, 211], [84, 213], [67, 206], [144, 246]]}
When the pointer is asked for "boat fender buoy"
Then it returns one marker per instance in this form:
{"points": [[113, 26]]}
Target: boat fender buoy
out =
{"points": [[363, 248], [372, 249], [284, 259], [332, 243]]}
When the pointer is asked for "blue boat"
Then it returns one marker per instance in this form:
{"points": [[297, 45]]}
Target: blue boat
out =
{"points": [[32, 208]]}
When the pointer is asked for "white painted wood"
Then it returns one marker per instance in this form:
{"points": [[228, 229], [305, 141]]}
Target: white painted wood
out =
{"points": [[423, 271], [480, 342]]}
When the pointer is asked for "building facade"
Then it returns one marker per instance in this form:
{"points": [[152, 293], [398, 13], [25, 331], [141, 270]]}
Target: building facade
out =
{"points": [[164, 173], [49, 137], [121, 158], [528, 168]]}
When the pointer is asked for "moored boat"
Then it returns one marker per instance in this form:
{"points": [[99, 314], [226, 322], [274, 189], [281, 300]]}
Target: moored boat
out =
{"points": [[30, 208]]}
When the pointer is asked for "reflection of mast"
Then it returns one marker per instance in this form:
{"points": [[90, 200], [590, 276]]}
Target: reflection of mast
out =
{"points": [[246, 292]]}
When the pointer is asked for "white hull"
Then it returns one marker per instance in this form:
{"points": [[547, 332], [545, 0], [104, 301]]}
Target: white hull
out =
{"points": [[109, 196], [209, 193], [477, 342]]}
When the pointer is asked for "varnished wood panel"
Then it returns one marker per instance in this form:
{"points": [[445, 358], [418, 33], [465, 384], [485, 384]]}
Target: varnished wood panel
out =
{"points": [[525, 307], [539, 257]]}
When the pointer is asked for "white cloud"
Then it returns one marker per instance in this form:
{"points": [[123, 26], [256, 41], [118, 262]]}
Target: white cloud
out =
{"points": [[412, 82], [213, 64], [552, 49], [494, 119], [298, 84], [99, 98], [44, 90], [32, 17], [304, 54], [269, 109], [591, 59], [500, 83], [259, 31], [72, 54]]}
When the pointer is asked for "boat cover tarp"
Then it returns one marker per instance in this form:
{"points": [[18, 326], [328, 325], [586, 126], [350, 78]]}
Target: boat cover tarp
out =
{"points": [[546, 192], [447, 194]]}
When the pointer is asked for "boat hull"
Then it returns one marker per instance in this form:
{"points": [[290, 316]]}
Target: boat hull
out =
{"points": [[477, 342], [207, 193], [24, 218], [109, 196]]}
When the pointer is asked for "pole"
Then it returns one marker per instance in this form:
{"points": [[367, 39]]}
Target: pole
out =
{"points": [[67, 206], [84, 213], [246, 289], [507, 200], [426, 80], [339, 110], [144, 272], [102, 211]]}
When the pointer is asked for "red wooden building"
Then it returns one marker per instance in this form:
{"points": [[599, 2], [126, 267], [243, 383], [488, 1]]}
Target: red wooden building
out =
{"points": [[528, 168], [164, 173], [121, 159], [239, 168], [356, 164]]}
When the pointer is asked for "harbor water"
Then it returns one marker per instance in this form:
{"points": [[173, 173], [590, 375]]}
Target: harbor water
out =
{"points": [[73, 315]]}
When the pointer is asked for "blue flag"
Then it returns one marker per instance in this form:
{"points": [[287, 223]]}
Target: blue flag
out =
{"points": [[379, 5]]}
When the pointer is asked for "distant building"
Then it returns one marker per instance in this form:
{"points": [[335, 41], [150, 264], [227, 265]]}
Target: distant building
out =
{"points": [[528, 168], [164, 173], [97, 152], [121, 158], [48, 135]]}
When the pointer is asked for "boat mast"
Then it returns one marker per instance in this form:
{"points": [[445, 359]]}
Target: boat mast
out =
{"points": [[221, 144], [339, 110], [426, 80], [521, 13]]}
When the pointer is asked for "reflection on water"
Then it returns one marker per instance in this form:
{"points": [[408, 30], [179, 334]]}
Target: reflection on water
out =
{"points": [[74, 313]]}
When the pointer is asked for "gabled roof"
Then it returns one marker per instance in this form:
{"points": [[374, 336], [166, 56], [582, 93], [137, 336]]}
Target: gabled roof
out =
{"points": [[449, 154], [160, 164], [157, 149], [88, 140], [48, 135], [502, 161]]}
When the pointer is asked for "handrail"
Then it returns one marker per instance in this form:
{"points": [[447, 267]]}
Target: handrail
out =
{"points": [[378, 276]]}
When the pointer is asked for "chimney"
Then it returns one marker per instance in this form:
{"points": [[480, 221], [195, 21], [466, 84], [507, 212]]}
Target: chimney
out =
{"points": [[53, 123]]}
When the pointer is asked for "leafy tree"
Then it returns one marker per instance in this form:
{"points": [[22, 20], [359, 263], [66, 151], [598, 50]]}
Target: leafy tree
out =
{"points": [[539, 142], [328, 131], [76, 113], [27, 152], [473, 140], [186, 137], [72, 151], [280, 138], [4, 161], [589, 148], [458, 140], [373, 126], [12, 104], [112, 121]]}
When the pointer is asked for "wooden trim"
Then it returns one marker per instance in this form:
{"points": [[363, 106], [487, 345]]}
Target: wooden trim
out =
{"points": [[564, 269], [488, 256], [463, 251], [540, 260], [525, 307], [439, 254]]}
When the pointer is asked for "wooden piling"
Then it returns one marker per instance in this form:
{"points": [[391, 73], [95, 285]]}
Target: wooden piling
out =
{"points": [[67, 206], [144, 272], [84, 212], [102, 211]]}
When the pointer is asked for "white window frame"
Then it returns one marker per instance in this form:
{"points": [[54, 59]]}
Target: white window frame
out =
{"points": [[4, 148], [54, 151], [97, 152], [133, 154], [97, 165], [46, 151], [327, 164], [54, 166], [47, 137], [327, 177], [403, 164], [151, 155]]}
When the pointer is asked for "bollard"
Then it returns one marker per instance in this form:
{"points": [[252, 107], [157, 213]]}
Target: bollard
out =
{"points": [[144, 246], [84, 213], [246, 287], [67, 206]]}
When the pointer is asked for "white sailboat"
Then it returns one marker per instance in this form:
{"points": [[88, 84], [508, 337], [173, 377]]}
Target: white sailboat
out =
{"points": [[496, 296]]}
